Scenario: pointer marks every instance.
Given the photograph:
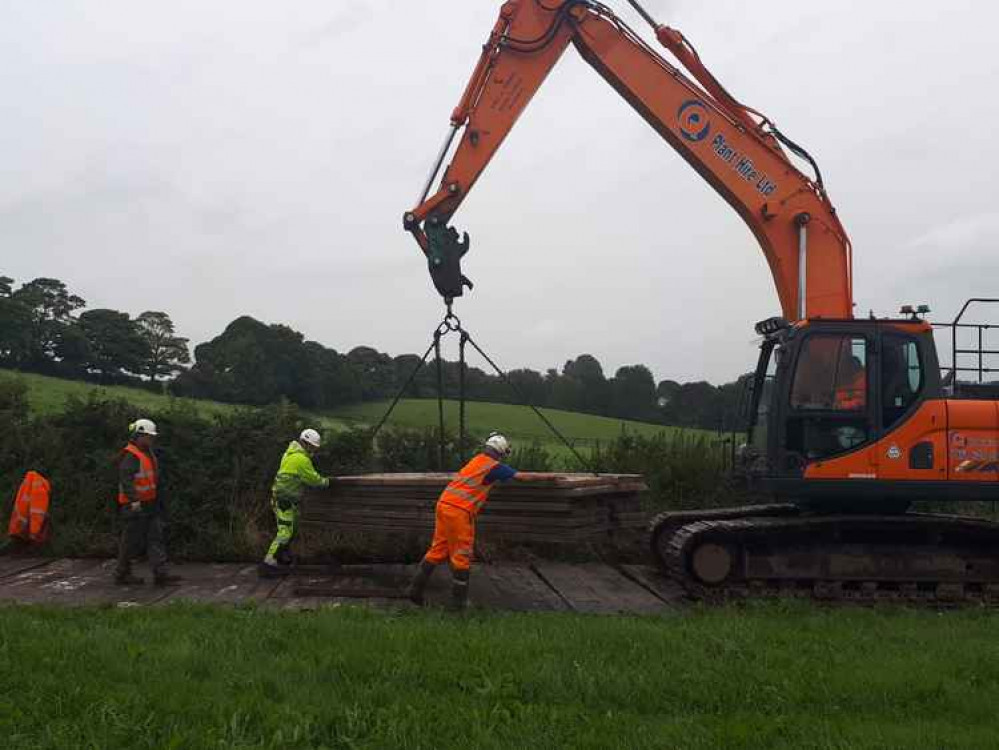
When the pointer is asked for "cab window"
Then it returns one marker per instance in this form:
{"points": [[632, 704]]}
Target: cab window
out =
{"points": [[831, 374], [829, 395], [901, 377]]}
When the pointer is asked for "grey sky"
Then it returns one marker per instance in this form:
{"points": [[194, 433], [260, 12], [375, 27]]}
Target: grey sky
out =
{"points": [[226, 158]]}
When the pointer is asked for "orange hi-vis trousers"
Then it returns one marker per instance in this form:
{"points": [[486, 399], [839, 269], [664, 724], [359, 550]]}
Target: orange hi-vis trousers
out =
{"points": [[454, 537]]}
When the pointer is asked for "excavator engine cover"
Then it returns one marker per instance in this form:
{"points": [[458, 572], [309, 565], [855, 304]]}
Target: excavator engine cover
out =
{"points": [[444, 254]]}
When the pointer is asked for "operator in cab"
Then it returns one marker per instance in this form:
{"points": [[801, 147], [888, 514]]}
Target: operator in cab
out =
{"points": [[454, 526]]}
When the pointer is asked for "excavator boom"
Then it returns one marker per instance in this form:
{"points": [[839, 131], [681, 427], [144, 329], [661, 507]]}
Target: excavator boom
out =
{"points": [[737, 150]]}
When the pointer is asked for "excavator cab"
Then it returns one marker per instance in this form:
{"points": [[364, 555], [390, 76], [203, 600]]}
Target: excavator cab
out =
{"points": [[827, 393]]}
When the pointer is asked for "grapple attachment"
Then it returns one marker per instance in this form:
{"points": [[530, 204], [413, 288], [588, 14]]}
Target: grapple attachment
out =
{"points": [[444, 253]]}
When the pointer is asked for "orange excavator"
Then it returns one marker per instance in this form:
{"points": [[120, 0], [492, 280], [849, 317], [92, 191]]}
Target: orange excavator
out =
{"points": [[849, 421]]}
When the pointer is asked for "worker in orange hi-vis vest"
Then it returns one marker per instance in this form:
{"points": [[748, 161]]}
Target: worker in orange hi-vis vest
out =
{"points": [[851, 390], [454, 528], [140, 507], [29, 519]]}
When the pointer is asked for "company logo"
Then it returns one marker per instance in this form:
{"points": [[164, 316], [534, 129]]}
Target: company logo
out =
{"points": [[894, 452], [694, 122]]}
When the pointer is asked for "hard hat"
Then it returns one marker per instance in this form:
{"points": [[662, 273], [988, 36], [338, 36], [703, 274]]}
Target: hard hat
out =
{"points": [[143, 427], [310, 437], [498, 443]]}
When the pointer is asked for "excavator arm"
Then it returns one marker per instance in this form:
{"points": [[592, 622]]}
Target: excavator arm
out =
{"points": [[737, 150]]}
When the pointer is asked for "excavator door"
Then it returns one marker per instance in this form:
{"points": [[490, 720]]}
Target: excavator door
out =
{"points": [[913, 429], [829, 408]]}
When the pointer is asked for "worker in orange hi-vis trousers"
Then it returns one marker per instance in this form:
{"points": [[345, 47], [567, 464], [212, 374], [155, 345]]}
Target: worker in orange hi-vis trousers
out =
{"points": [[454, 527]]}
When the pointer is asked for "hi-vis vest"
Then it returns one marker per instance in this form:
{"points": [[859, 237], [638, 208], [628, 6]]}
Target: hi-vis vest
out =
{"points": [[852, 395], [29, 519], [469, 490], [144, 480]]}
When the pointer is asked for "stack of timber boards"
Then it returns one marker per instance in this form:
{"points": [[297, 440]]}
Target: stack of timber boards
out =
{"points": [[534, 506]]}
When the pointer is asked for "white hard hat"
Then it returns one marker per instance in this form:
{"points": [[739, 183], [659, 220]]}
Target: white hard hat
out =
{"points": [[498, 443], [143, 427], [311, 437]]}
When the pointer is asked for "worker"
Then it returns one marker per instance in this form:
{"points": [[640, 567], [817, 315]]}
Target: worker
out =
{"points": [[140, 507], [851, 391], [295, 473], [454, 527]]}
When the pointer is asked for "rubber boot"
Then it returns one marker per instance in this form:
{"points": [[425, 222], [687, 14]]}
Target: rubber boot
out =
{"points": [[419, 583], [272, 570], [459, 591], [284, 557]]}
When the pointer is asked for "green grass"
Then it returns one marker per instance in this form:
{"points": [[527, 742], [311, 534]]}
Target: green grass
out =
{"points": [[774, 676], [517, 422], [47, 395]]}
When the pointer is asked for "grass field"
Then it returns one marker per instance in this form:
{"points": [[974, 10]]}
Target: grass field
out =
{"points": [[47, 395], [773, 676], [518, 422]]}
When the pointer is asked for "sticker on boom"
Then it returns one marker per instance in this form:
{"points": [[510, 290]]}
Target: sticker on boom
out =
{"points": [[695, 126]]}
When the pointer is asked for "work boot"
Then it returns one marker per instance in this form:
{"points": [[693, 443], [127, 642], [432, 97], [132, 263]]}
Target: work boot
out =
{"points": [[459, 591], [271, 570], [127, 579], [419, 583], [167, 579]]}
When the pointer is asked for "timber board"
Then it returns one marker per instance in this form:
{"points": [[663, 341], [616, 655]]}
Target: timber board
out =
{"points": [[653, 579], [598, 588], [219, 583], [512, 587], [77, 582], [10, 566]]}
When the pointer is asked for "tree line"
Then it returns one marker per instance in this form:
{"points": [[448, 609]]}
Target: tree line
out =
{"points": [[46, 329], [40, 331]]}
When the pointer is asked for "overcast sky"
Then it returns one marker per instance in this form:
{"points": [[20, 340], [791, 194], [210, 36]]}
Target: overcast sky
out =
{"points": [[215, 159]]}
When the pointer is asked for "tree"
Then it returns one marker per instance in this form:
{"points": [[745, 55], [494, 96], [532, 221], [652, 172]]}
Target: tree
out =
{"points": [[634, 392], [374, 371], [50, 307], [166, 352], [15, 326], [531, 385], [115, 346], [594, 393]]}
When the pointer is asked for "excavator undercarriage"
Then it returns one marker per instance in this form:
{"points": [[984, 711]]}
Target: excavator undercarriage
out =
{"points": [[779, 550]]}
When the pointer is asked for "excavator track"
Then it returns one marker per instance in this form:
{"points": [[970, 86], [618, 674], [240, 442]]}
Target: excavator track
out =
{"points": [[916, 558], [662, 526]]}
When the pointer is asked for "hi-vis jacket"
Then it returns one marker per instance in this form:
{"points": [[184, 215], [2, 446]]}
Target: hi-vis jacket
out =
{"points": [[469, 490], [295, 473], [143, 481], [29, 519]]}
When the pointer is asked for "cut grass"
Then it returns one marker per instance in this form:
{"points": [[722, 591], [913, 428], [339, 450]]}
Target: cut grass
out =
{"points": [[768, 676]]}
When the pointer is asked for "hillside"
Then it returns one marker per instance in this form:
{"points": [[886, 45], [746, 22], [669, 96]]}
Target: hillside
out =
{"points": [[47, 395], [518, 422]]}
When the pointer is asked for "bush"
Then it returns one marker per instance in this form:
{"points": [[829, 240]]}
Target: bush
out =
{"points": [[683, 470], [217, 470]]}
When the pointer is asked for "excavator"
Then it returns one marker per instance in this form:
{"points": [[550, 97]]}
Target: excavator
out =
{"points": [[850, 420]]}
